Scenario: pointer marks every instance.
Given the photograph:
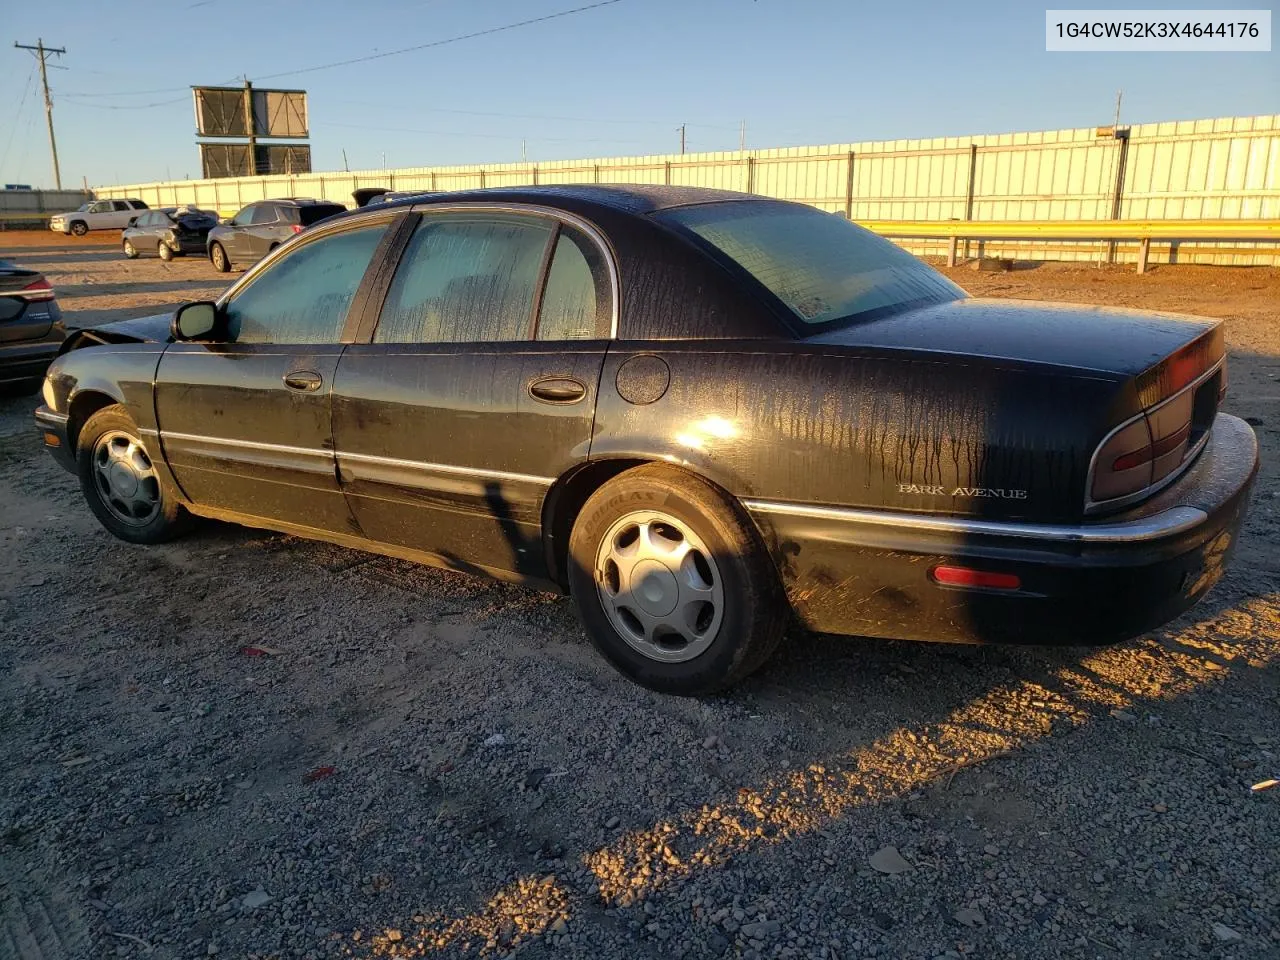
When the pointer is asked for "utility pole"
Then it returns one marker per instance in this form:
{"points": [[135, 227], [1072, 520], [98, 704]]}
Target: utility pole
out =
{"points": [[742, 136], [42, 53], [249, 128], [1119, 97], [682, 138]]}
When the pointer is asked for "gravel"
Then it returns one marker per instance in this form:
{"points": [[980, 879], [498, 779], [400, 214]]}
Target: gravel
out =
{"points": [[493, 788]]}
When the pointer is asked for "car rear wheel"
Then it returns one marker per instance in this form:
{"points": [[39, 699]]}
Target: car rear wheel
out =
{"points": [[130, 250], [165, 251], [672, 582], [218, 257], [121, 483], [79, 228]]}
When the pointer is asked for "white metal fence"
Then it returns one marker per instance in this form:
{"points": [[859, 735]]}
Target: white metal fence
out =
{"points": [[1212, 169]]}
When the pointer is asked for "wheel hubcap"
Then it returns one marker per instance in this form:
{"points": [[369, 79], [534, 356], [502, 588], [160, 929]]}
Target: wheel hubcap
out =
{"points": [[659, 586], [125, 478]]}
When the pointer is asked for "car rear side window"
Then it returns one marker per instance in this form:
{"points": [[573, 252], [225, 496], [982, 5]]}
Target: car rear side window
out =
{"points": [[576, 301], [465, 279], [303, 297], [266, 213], [827, 270], [314, 213]]}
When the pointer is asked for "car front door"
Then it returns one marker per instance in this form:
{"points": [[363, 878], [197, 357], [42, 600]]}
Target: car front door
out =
{"points": [[100, 215], [235, 240], [454, 420], [245, 418]]}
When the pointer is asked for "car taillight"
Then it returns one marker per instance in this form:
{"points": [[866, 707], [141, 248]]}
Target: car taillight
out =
{"points": [[40, 289], [1123, 463], [1146, 451], [296, 228]]}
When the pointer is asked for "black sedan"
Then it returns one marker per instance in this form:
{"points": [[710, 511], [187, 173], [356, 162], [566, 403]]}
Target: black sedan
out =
{"points": [[168, 232], [31, 327], [701, 413]]}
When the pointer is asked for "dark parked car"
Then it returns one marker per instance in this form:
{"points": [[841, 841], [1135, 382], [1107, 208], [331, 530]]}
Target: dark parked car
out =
{"points": [[169, 232], [699, 412], [31, 328], [261, 227]]}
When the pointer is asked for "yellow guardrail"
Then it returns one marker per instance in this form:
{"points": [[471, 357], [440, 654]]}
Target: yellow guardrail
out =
{"points": [[1143, 231]]}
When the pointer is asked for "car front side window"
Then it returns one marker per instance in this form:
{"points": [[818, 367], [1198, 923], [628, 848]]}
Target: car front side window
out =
{"points": [[467, 278], [303, 297], [243, 217]]}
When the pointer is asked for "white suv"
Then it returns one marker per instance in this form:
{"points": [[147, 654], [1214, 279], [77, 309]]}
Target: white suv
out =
{"points": [[97, 215]]}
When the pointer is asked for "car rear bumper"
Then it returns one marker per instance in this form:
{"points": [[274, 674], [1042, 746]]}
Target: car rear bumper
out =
{"points": [[52, 428], [26, 360], [870, 573]]}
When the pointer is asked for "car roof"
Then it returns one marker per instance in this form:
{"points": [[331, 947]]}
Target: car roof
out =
{"points": [[628, 198], [300, 201]]}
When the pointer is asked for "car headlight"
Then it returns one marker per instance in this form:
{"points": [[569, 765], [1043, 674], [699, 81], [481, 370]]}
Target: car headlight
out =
{"points": [[50, 396]]}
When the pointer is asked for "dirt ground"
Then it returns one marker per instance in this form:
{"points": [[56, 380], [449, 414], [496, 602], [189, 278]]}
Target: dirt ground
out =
{"points": [[247, 745]]}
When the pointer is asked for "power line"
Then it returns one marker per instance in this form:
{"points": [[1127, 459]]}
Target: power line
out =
{"points": [[481, 136], [17, 117], [72, 98], [533, 116], [42, 54], [441, 43]]}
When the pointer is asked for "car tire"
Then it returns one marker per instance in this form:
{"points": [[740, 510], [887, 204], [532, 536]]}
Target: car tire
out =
{"points": [[164, 251], [121, 484], [79, 228], [218, 257], [130, 250], [710, 609]]}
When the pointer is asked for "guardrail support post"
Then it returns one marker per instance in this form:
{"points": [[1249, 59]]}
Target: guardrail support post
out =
{"points": [[969, 191], [848, 188], [951, 251], [1144, 251]]}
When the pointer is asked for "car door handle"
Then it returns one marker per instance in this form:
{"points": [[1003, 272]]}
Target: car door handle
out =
{"points": [[557, 390], [303, 380]]}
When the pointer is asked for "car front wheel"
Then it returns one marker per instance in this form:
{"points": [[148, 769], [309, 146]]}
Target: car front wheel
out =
{"points": [[218, 257], [121, 484], [79, 228], [130, 250], [672, 582]]}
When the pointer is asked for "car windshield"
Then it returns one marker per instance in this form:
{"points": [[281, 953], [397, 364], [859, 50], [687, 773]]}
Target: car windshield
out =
{"points": [[828, 271], [84, 207]]}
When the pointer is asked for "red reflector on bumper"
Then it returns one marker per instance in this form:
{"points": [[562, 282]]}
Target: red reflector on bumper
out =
{"points": [[968, 577]]}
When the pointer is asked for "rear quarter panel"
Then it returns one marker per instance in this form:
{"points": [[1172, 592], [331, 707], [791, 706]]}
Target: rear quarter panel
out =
{"points": [[881, 430]]}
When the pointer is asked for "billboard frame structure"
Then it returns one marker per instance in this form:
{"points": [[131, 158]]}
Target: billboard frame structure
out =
{"points": [[240, 116]]}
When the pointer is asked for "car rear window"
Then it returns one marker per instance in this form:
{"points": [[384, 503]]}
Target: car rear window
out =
{"points": [[318, 211], [827, 270]]}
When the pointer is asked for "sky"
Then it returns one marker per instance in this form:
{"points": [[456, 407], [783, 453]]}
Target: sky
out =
{"points": [[615, 80]]}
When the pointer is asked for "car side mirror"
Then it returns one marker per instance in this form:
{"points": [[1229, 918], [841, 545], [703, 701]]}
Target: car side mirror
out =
{"points": [[194, 321]]}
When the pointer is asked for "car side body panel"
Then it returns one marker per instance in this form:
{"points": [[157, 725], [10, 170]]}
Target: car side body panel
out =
{"points": [[832, 425]]}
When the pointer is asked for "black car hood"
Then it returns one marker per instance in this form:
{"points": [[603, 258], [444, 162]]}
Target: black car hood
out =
{"points": [[143, 329], [1101, 339]]}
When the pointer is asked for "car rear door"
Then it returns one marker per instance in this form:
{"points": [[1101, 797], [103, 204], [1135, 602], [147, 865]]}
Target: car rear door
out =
{"points": [[263, 232], [454, 419], [121, 214], [245, 419]]}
